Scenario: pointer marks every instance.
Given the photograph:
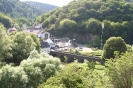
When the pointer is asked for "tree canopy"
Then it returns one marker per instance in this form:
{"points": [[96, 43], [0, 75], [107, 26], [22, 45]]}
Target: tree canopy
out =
{"points": [[88, 16], [5, 44]]}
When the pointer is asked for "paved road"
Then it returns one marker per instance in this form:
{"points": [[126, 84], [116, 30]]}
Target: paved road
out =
{"points": [[85, 48]]}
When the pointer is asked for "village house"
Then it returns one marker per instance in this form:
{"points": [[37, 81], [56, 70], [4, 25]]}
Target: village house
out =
{"points": [[11, 30], [45, 47], [38, 31]]}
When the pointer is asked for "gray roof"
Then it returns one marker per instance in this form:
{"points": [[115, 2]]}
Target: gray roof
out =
{"points": [[44, 45]]}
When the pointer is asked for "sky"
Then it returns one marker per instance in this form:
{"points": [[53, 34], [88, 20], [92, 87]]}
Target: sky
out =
{"points": [[52, 2]]}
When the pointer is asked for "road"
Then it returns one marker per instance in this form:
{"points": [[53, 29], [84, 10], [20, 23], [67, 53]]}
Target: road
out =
{"points": [[86, 49]]}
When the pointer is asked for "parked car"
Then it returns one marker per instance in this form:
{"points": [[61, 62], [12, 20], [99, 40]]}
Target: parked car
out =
{"points": [[80, 48]]}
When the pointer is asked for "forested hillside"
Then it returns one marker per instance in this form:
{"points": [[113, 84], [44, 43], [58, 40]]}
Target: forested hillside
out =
{"points": [[42, 7], [82, 20], [18, 9]]}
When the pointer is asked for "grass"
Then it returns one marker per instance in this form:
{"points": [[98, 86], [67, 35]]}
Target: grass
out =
{"points": [[94, 53]]}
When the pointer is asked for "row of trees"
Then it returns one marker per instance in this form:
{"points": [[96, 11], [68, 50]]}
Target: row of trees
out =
{"points": [[84, 18]]}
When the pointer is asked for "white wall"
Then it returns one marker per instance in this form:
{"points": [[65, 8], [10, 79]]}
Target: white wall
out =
{"points": [[47, 50]]}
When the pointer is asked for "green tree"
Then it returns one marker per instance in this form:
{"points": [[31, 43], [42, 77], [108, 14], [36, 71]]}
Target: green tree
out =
{"points": [[36, 40], [6, 21], [5, 44], [13, 77], [113, 44], [39, 67], [67, 25], [74, 75], [22, 45], [96, 42], [120, 70], [93, 26]]}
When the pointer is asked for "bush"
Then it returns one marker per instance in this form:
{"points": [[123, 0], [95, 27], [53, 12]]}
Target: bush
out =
{"points": [[120, 70], [31, 72], [13, 77], [39, 67], [91, 65], [113, 44], [129, 48], [67, 78], [73, 75]]}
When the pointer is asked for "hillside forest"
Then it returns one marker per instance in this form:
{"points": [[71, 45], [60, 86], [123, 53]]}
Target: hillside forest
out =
{"points": [[22, 12], [82, 20]]}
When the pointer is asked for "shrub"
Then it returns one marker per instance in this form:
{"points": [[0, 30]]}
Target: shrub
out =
{"points": [[39, 68], [113, 44], [120, 70], [91, 65], [12, 77], [67, 78], [73, 75], [129, 48]]}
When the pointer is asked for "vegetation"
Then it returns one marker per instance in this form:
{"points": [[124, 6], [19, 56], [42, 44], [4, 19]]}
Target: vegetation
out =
{"points": [[5, 20], [41, 7], [73, 76], [113, 44], [31, 72], [120, 73], [22, 45], [17, 46], [18, 9], [86, 17], [36, 40], [23, 66], [5, 44]]}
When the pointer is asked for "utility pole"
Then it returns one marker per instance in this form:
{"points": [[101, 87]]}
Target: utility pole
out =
{"points": [[102, 35]]}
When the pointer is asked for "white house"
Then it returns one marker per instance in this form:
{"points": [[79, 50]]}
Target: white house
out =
{"points": [[11, 30], [50, 42], [38, 32], [43, 35], [64, 42]]}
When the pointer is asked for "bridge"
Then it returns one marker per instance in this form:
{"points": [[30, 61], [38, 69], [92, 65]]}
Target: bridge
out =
{"points": [[72, 56]]}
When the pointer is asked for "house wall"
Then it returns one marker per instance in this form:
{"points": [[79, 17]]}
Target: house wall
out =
{"points": [[47, 50], [43, 35]]}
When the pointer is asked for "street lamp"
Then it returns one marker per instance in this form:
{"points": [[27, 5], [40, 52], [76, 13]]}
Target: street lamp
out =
{"points": [[102, 35]]}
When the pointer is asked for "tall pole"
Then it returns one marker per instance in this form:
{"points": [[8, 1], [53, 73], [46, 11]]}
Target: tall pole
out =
{"points": [[102, 35]]}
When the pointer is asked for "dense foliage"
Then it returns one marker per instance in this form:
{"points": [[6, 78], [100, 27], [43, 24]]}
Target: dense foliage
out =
{"points": [[120, 70], [12, 77], [39, 67], [22, 45], [18, 9], [36, 40], [113, 44], [17, 46], [5, 20], [86, 17], [5, 44], [31, 72], [42, 7], [74, 75]]}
